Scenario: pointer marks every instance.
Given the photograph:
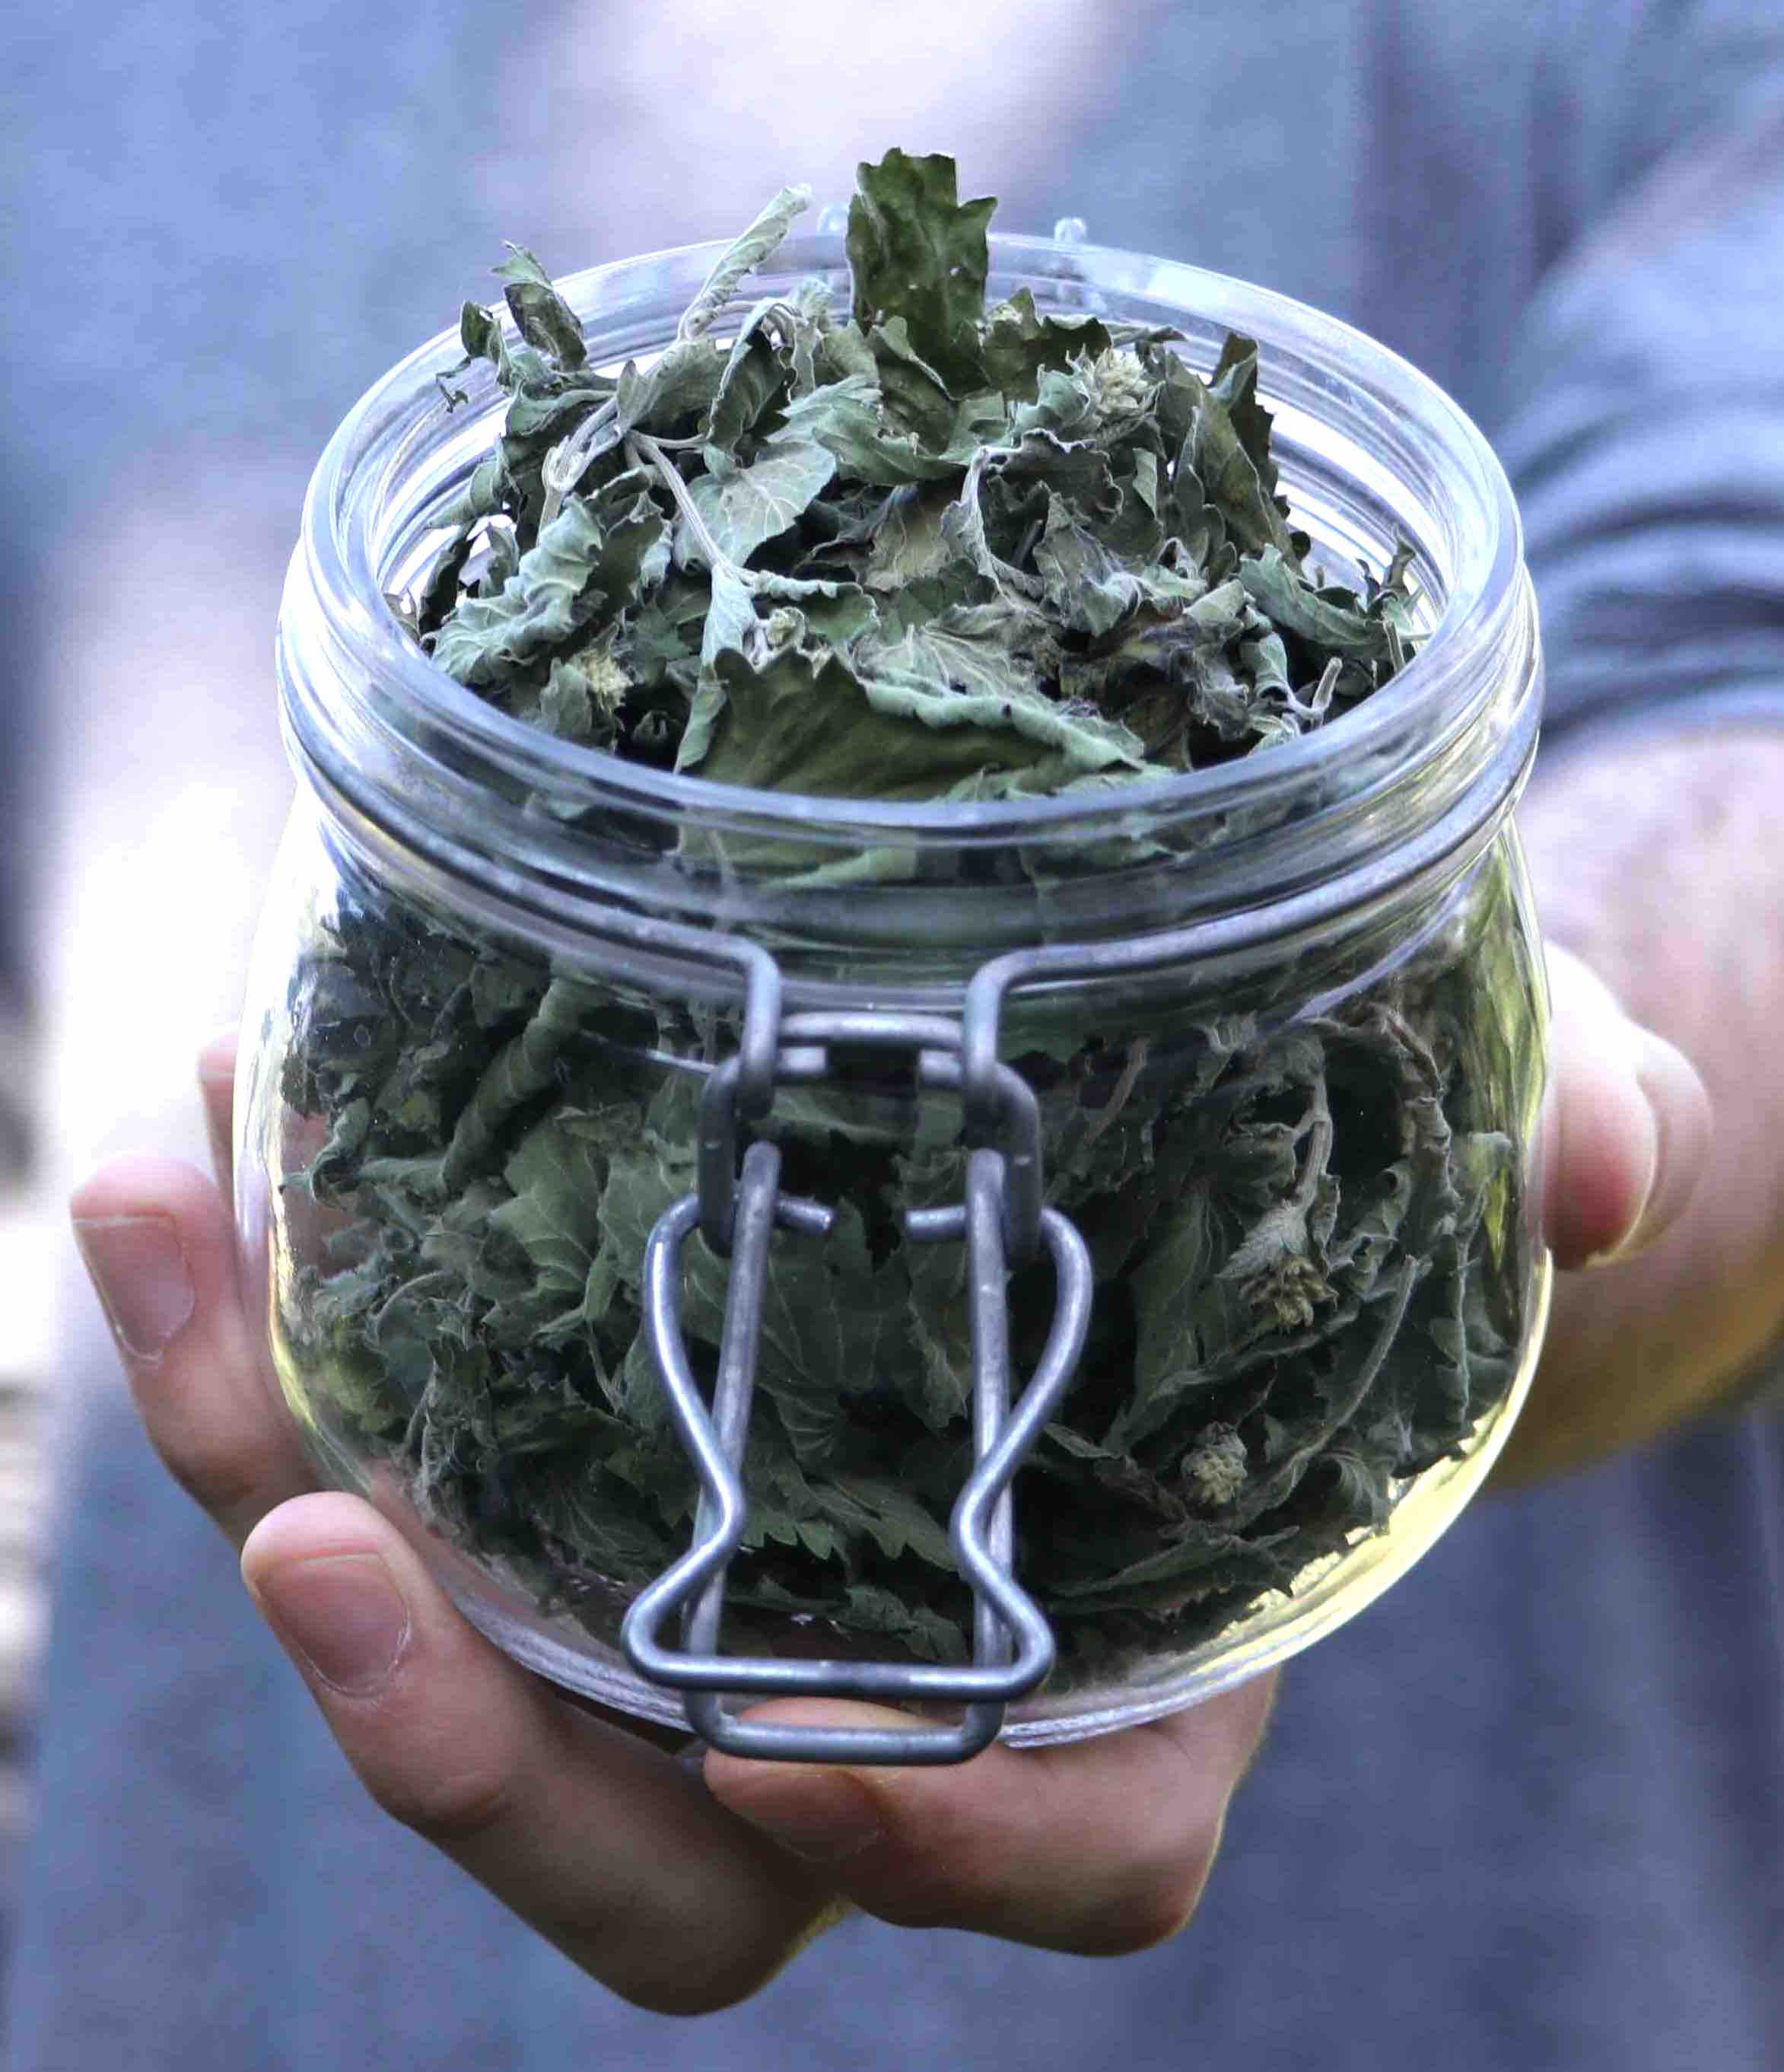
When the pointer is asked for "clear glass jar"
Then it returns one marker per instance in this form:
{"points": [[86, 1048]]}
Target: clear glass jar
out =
{"points": [[1298, 1131]]}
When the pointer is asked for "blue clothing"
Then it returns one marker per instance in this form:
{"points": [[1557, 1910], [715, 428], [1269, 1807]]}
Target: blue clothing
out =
{"points": [[1526, 1811]]}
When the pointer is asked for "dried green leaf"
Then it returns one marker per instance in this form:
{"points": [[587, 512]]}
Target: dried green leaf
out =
{"points": [[681, 383], [919, 253], [755, 503], [1091, 592], [1289, 601], [1227, 475], [1019, 343], [591, 554], [845, 418], [753, 247]]}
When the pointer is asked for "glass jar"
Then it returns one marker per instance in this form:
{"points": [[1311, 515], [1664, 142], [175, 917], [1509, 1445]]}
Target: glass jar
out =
{"points": [[1282, 1020]]}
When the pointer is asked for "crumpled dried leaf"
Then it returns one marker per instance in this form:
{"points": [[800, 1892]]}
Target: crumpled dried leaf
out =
{"points": [[745, 507], [596, 551], [917, 254]]}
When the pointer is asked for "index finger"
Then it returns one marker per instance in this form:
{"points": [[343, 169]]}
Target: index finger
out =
{"points": [[1099, 1846]]}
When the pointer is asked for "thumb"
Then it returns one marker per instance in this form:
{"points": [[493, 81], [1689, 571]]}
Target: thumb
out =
{"points": [[1627, 1128]]}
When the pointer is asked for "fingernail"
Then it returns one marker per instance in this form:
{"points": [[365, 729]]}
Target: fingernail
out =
{"points": [[140, 1275], [824, 1826], [1676, 1100], [342, 1615]]}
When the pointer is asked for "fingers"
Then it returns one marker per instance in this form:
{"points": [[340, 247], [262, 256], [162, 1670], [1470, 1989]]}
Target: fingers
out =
{"points": [[159, 1245], [1630, 1129], [1103, 1846], [1100, 1847], [614, 1850], [216, 1086]]}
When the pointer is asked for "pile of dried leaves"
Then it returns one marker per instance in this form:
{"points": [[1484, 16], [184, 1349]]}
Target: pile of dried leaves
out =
{"points": [[932, 551]]}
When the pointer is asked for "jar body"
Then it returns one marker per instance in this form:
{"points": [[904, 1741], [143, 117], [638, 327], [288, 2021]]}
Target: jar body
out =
{"points": [[1299, 1139], [1306, 1184]]}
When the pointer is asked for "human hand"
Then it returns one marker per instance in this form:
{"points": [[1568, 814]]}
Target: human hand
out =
{"points": [[1627, 1133], [683, 1888], [1626, 1125], [1656, 856]]}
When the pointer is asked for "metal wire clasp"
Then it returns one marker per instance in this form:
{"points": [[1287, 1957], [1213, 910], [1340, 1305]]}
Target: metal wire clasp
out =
{"points": [[737, 1206]]}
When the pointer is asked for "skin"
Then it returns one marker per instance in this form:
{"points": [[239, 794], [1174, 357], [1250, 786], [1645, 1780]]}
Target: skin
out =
{"points": [[626, 1856], [1658, 864]]}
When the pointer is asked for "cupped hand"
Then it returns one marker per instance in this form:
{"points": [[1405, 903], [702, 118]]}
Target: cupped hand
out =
{"points": [[684, 1885]]}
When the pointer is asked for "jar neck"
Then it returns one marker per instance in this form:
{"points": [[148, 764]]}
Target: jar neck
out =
{"points": [[437, 793]]}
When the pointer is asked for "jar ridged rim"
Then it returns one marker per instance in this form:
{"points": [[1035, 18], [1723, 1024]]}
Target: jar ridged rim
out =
{"points": [[337, 558]]}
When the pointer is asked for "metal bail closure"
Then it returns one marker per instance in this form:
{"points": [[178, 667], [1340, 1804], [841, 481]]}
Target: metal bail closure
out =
{"points": [[1013, 1647]]}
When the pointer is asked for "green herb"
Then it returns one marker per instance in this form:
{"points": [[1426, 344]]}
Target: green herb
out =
{"points": [[930, 550]]}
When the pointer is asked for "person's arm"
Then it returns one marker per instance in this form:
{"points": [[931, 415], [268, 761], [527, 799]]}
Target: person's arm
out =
{"points": [[1660, 860], [1647, 445]]}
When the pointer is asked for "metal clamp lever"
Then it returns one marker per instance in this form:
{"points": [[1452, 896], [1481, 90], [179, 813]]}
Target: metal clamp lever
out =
{"points": [[1012, 1645]]}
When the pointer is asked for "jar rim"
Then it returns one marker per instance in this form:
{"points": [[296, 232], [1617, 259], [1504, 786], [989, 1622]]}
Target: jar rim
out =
{"points": [[340, 549]]}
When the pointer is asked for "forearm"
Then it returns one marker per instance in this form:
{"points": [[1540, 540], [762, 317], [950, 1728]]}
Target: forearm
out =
{"points": [[1657, 859]]}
